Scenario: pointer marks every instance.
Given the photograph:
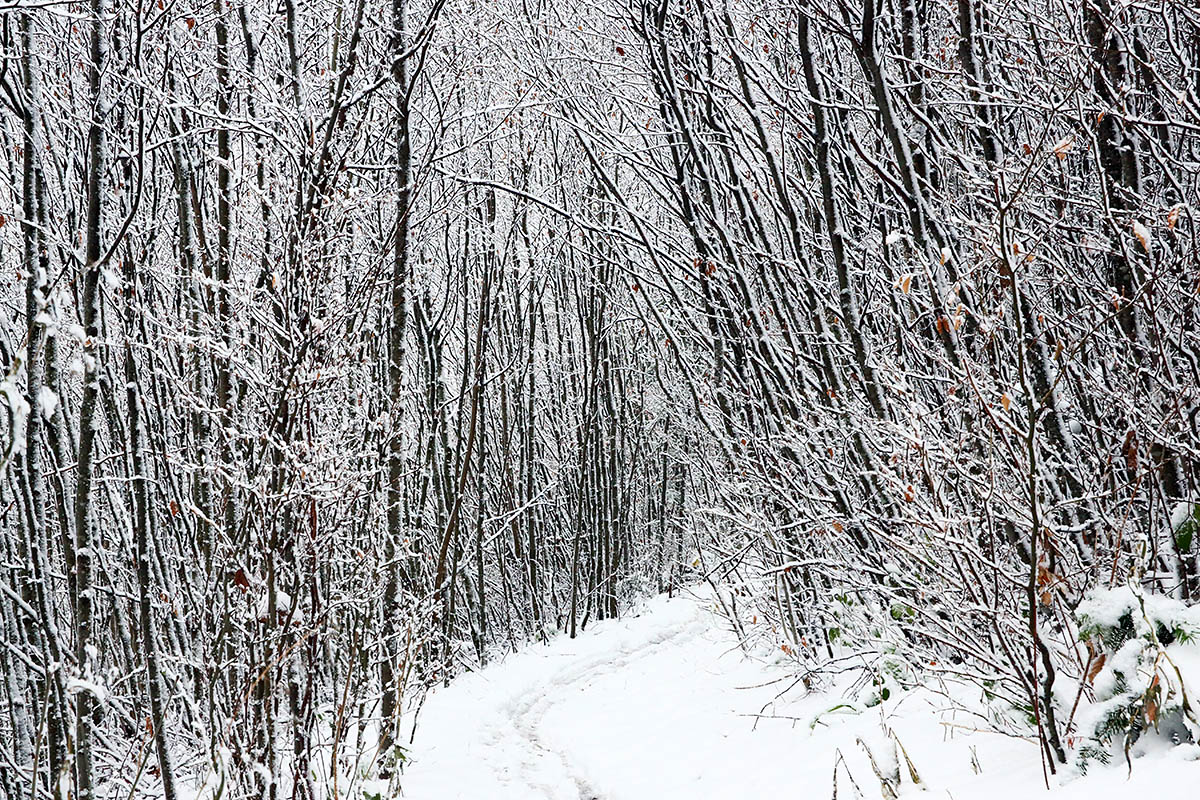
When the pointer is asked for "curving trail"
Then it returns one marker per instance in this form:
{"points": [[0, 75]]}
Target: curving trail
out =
{"points": [[499, 734], [653, 707], [526, 712]]}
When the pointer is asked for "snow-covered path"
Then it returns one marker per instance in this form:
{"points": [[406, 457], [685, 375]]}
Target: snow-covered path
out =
{"points": [[660, 706]]}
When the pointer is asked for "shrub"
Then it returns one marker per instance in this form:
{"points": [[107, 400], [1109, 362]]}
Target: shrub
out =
{"points": [[1133, 641]]}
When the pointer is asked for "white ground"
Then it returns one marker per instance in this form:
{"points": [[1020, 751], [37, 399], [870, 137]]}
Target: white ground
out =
{"points": [[655, 707]]}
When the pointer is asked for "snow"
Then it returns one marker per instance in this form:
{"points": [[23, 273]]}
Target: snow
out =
{"points": [[47, 401], [1180, 514], [76, 685], [111, 279], [1106, 607], [1143, 235], [18, 413], [665, 705]]}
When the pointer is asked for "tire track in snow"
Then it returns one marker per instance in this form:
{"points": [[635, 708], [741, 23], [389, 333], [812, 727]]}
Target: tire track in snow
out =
{"points": [[525, 711]]}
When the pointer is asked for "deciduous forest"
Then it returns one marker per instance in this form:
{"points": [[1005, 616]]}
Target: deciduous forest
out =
{"points": [[348, 345]]}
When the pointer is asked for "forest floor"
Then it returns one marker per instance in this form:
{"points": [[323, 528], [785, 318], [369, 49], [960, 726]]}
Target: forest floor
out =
{"points": [[664, 705]]}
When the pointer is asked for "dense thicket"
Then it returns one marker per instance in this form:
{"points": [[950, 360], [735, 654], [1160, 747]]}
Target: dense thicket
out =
{"points": [[345, 345]]}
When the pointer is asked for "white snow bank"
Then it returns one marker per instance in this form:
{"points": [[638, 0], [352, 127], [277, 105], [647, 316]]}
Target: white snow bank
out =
{"points": [[663, 706]]}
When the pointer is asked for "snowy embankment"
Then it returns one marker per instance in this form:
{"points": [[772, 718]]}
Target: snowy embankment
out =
{"points": [[664, 705]]}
